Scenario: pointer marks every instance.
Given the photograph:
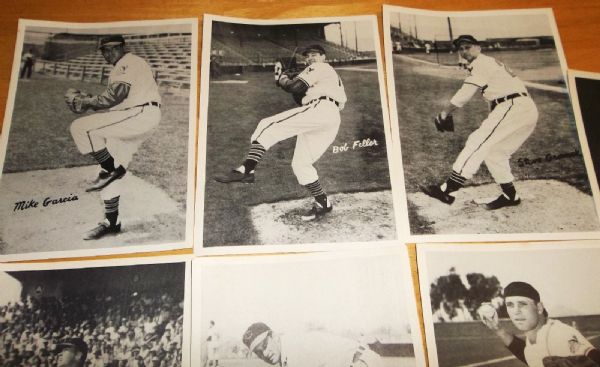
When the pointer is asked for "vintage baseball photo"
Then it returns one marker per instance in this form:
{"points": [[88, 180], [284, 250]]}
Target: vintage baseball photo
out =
{"points": [[125, 313], [296, 145], [490, 148], [585, 94], [511, 304], [98, 140], [343, 309]]}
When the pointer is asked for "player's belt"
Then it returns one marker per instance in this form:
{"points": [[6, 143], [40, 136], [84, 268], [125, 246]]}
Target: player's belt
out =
{"points": [[325, 98], [497, 101]]}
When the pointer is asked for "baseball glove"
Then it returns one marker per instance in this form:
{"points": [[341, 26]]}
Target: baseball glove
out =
{"points": [[74, 100], [444, 124], [571, 361]]}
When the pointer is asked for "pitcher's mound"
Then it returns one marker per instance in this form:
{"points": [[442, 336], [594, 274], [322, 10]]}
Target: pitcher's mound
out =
{"points": [[356, 217], [147, 213], [546, 206]]}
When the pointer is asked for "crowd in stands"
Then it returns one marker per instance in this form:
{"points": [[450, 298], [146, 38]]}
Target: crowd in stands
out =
{"points": [[120, 329]]}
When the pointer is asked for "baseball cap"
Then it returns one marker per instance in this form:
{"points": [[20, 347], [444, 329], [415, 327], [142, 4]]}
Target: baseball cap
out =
{"points": [[76, 343], [112, 40], [521, 289], [313, 48], [255, 334], [465, 38]]}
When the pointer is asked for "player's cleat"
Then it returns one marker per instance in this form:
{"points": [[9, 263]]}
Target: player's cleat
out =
{"points": [[235, 176], [108, 179], [102, 175], [501, 202], [317, 211], [436, 192], [102, 230]]}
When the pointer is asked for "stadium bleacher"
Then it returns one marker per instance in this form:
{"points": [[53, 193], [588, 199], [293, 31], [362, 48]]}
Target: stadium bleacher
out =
{"points": [[169, 57]]}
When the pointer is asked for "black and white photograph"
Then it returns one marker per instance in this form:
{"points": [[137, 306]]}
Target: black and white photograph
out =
{"points": [[511, 305], [98, 140], [116, 313], [490, 148], [297, 141], [585, 92], [350, 308]]}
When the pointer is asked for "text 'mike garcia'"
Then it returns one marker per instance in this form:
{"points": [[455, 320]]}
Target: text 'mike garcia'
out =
{"points": [[48, 201]]}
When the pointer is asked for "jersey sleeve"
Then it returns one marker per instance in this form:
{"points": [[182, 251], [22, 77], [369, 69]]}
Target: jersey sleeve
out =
{"points": [[564, 340], [123, 71], [480, 73], [464, 94], [311, 73]]}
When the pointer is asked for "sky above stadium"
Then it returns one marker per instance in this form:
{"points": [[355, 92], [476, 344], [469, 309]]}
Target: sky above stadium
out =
{"points": [[429, 27], [354, 35], [38, 35], [342, 294], [566, 279]]}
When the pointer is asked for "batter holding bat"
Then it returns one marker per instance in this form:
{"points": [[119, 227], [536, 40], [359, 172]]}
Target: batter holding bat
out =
{"points": [[320, 92], [512, 118], [547, 342]]}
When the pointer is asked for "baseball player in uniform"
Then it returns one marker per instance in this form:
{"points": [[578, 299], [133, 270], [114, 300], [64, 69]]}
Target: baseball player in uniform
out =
{"points": [[212, 345], [546, 342], [28, 61], [512, 119], [310, 349], [71, 353], [315, 124], [131, 105]]}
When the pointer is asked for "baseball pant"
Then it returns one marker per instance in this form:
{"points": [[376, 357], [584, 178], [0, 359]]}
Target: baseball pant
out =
{"points": [[121, 132], [504, 130], [315, 125]]}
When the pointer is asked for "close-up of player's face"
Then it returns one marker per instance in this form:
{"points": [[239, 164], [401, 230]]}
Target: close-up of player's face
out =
{"points": [[469, 51], [66, 357], [269, 350], [112, 54], [313, 56], [524, 312]]}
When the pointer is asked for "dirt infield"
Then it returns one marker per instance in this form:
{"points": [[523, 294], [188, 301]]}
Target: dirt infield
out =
{"points": [[552, 152], [280, 223], [234, 111], [537, 213], [148, 214]]}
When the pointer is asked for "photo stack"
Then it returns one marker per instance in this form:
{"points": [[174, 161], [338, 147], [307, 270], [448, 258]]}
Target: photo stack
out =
{"points": [[221, 191]]}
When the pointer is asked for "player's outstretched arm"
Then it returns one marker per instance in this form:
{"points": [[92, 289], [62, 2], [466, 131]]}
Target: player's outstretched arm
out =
{"points": [[489, 317], [114, 94]]}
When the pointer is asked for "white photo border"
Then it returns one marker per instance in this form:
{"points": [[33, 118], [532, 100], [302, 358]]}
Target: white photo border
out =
{"points": [[400, 251], [188, 241], [405, 224], [224, 249]]}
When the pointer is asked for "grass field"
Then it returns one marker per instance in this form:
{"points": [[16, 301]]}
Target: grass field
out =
{"points": [[428, 155], [40, 139], [234, 111], [460, 344], [534, 65]]}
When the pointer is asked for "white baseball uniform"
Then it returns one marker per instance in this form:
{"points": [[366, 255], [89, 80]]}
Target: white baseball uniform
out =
{"points": [[125, 126], [555, 339], [511, 121], [319, 349], [315, 123]]}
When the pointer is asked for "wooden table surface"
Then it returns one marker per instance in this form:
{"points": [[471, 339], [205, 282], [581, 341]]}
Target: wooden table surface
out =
{"points": [[578, 23]]}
